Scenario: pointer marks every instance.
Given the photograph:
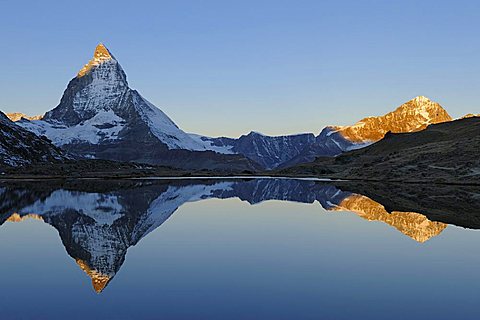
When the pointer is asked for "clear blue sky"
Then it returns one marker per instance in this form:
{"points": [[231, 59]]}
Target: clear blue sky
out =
{"points": [[228, 67]]}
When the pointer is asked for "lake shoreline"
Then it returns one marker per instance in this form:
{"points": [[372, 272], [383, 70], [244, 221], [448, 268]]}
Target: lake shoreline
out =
{"points": [[201, 176]]}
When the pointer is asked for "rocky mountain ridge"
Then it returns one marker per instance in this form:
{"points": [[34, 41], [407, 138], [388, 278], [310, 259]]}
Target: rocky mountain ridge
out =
{"points": [[19, 147]]}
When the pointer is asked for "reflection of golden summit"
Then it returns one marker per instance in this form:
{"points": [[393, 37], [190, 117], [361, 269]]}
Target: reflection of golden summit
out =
{"points": [[412, 224], [99, 281], [414, 115], [101, 55], [18, 218]]}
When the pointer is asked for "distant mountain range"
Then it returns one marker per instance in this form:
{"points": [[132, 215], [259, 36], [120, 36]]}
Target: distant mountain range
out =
{"points": [[100, 116]]}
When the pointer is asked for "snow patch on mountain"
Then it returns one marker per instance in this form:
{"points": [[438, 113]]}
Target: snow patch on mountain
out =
{"points": [[105, 125], [209, 144], [163, 127]]}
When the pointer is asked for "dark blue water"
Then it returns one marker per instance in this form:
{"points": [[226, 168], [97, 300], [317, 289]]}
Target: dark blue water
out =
{"points": [[260, 249]]}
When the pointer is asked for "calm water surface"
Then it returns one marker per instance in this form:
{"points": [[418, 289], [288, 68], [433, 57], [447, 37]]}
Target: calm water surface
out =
{"points": [[238, 249]]}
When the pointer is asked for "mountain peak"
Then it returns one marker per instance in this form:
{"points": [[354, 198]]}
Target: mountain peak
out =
{"points": [[421, 99], [101, 52], [414, 115], [100, 55], [430, 110]]}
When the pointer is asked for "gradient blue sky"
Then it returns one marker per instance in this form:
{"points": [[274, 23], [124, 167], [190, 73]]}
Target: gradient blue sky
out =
{"points": [[228, 67]]}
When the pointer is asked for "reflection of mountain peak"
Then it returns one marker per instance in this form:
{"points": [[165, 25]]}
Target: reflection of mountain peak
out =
{"points": [[98, 223], [99, 280], [412, 224], [18, 218]]}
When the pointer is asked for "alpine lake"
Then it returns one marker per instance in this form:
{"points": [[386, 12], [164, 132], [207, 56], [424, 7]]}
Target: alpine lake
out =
{"points": [[238, 248]]}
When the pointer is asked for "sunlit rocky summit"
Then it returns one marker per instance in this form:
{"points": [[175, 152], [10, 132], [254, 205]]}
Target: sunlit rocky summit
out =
{"points": [[414, 115]]}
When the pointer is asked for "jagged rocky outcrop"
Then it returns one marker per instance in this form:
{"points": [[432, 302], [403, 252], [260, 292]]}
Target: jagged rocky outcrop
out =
{"points": [[100, 116], [19, 147], [268, 151]]}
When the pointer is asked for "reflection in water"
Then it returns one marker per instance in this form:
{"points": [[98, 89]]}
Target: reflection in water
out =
{"points": [[412, 224], [97, 223], [18, 218], [99, 281]]}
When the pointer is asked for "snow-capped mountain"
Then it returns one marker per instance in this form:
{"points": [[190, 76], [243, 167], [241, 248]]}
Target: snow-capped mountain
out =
{"points": [[414, 115], [100, 116], [20, 147], [98, 106]]}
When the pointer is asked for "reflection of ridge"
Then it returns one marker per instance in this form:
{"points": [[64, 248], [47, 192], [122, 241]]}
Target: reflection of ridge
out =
{"points": [[412, 224], [18, 218], [97, 223]]}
